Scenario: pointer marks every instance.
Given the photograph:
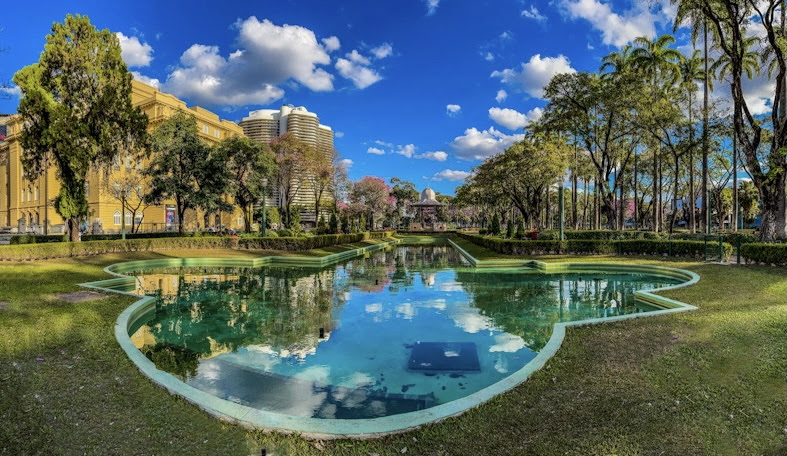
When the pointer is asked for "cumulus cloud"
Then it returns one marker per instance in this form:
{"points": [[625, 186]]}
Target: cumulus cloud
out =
{"points": [[383, 143], [13, 90], [536, 73], [338, 134], [134, 52], [451, 175], [452, 109], [534, 14], [375, 151], [331, 43], [346, 163], [431, 6], [479, 145], [501, 96], [436, 156], [406, 150], [269, 55], [145, 79], [513, 119], [506, 35], [382, 51], [616, 29], [489, 57], [355, 68]]}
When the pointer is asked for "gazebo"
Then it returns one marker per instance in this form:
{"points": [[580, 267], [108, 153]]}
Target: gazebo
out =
{"points": [[427, 213]]}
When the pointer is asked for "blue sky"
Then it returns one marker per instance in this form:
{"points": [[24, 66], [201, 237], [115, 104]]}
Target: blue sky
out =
{"points": [[418, 89]]}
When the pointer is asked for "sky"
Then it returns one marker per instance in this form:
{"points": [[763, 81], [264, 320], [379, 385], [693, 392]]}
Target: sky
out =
{"points": [[422, 90]]}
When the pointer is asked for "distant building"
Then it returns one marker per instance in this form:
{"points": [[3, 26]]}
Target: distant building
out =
{"points": [[26, 204], [265, 125]]}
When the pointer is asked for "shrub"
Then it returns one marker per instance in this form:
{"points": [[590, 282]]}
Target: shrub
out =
{"points": [[765, 253], [510, 228], [494, 229], [271, 233], [520, 229], [333, 224], [36, 239], [284, 232]]}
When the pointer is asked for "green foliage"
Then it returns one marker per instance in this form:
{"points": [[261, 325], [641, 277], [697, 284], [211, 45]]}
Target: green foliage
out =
{"points": [[249, 164], [651, 247], [494, 228], [36, 239], [293, 220], [510, 228], [272, 217], [285, 233], [600, 234], [76, 108], [333, 224], [520, 229], [749, 201], [185, 169], [765, 253], [322, 226], [345, 223]]}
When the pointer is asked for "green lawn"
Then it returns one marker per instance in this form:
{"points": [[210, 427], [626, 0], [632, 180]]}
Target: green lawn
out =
{"points": [[711, 381]]}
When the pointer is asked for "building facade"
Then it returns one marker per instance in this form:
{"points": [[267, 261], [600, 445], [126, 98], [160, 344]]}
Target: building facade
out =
{"points": [[265, 125], [26, 204]]}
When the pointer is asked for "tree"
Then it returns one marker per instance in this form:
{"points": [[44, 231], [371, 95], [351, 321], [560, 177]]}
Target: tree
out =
{"points": [[289, 153], [76, 108], [129, 189], [319, 174], [184, 169], [373, 195], [749, 197], [251, 166], [510, 228], [494, 228], [730, 22], [405, 194], [333, 224]]}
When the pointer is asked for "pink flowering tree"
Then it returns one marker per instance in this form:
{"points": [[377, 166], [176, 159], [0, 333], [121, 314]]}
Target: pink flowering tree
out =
{"points": [[374, 196]]}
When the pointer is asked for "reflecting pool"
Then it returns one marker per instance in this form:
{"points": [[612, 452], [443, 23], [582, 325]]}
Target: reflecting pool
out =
{"points": [[398, 331]]}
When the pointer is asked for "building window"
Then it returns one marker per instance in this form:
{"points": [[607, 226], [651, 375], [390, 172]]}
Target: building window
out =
{"points": [[240, 221], [116, 218], [128, 162], [116, 162], [36, 194], [23, 195], [139, 164], [87, 189], [206, 129], [217, 133], [138, 218], [128, 218]]}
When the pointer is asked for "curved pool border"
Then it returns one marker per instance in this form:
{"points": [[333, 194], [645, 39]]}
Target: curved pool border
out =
{"points": [[373, 427]]}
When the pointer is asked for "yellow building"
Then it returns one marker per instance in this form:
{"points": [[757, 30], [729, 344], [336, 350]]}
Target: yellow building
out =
{"points": [[26, 205]]}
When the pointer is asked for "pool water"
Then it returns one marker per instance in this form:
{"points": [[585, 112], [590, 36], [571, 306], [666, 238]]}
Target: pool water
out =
{"points": [[398, 331]]}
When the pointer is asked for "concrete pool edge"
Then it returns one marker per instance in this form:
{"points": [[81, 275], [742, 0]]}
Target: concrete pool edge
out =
{"points": [[373, 427]]}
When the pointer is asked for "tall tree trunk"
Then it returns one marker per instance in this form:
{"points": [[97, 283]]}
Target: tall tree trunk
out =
{"points": [[655, 199], [735, 180], [705, 206], [73, 229], [635, 184], [181, 214], [692, 191]]}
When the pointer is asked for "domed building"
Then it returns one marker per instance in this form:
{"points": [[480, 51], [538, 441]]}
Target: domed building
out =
{"points": [[426, 215]]}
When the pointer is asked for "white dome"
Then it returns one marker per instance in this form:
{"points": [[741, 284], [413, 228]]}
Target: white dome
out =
{"points": [[428, 194]]}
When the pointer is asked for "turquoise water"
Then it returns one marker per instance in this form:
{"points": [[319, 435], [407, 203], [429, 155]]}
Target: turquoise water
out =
{"points": [[399, 331]]}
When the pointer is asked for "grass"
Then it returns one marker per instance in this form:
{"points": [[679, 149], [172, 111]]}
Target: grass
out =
{"points": [[711, 381]]}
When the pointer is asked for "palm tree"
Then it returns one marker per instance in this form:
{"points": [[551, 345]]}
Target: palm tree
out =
{"points": [[659, 64], [691, 72]]}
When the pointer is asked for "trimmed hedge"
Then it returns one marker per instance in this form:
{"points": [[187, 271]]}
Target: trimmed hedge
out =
{"points": [[36, 239], [765, 253], [692, 249], [74, 249], [600, 235]]}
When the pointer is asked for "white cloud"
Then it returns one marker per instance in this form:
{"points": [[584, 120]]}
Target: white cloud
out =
{"points": [[479, 145], [355, 68], [452, 109], [436, 156], [134, 53], [536, 73], [346, 163], [501, 96], [451, 175], [13, 90], [431, 6], [506, 35], [338, 134], [331, 43], [145, 79], [534, 14], [382, 51], [269, 55], [383, 143], [375, 151], [513, 119], [489, 57], [616, 29], [407, 150], [356, 57]]}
